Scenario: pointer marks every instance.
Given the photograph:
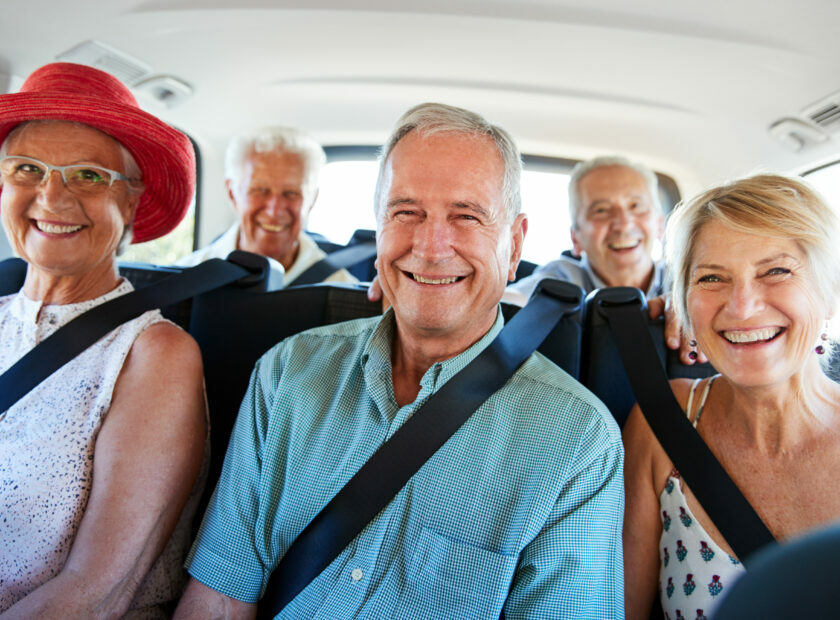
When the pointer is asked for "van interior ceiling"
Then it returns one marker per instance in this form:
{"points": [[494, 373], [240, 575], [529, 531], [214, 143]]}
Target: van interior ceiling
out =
{"points": [[698, 91]]}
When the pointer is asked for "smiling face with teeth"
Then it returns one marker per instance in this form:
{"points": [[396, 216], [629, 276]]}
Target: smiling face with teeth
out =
{"points": [[68, 240], [270, 203], [446, 248], [753, 306], [617, 225]]}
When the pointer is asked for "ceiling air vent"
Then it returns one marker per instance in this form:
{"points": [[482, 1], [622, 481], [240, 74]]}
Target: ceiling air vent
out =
{"points": [[127, 69], [825, 113]]}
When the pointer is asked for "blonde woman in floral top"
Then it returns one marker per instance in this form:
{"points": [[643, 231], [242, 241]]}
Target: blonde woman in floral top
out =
{"points": [[755, 283]]}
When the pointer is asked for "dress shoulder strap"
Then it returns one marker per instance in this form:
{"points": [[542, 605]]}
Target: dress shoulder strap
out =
{"points": [[691, 398], [702, 403]]}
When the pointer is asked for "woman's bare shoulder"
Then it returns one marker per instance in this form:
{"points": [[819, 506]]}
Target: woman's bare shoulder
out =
{"points": [[167, 338], [644, 452], [163, 372]]}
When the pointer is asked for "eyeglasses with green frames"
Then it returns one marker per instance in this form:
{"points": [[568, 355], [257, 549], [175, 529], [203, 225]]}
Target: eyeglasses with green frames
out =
{"points": [[78, 178]]}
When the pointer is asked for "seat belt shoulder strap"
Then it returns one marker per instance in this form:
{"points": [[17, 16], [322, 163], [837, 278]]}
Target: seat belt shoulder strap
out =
{"points": [[398, 459], [736, 519], [81, 332], [340, 259]]}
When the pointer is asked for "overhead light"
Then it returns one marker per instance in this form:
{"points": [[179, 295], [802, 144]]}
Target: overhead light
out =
{"points": [[166, 90], [796, 134]]}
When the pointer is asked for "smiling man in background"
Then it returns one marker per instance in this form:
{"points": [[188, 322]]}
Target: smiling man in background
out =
{"points": [[616, 219], [271, 176]]}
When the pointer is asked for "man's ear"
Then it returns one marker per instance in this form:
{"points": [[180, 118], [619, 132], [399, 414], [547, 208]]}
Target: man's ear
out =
{"points": [[307, 209], [518, 230], [229, 188], [577, 248]]}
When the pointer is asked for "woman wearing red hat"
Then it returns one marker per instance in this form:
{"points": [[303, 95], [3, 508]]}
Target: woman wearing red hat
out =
{"points": [[100, 459]]}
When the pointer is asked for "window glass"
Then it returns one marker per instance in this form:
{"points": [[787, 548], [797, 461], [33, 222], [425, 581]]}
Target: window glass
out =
{"points": [[167, 249], [345, 203], [345, 199], [826, 180], [177, 244], [545, 199]]}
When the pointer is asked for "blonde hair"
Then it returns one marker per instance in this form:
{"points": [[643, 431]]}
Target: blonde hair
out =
{"points": [[765, 204]]}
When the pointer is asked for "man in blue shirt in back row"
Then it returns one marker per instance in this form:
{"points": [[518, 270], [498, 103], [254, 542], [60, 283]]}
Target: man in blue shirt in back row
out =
{"points": [[519, 512], [616, 219]]}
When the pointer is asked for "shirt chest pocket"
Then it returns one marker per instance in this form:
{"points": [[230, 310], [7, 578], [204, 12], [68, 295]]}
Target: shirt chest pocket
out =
{"points": [[449, 578]]}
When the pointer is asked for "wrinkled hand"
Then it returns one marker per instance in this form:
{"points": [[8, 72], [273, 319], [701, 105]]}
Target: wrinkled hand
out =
{"points": [[674, 336], [374, 293]]}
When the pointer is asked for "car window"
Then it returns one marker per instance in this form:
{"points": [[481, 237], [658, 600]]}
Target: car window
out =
{"points": [[345, 200], [181, 241], [167, 249], [826, 179]]}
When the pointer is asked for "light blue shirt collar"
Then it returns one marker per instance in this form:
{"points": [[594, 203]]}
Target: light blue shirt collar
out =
{"points": [[377, 364]]}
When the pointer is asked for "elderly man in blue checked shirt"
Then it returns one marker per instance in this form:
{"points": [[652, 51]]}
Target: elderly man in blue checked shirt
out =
{"points": [[519, 512]]}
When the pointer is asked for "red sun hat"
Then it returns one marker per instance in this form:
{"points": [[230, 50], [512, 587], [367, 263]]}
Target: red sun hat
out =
{"points": [[70, 92]]}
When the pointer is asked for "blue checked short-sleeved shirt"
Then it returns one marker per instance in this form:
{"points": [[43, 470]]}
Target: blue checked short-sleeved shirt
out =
{"points": [[577, 271], [521, 509]]}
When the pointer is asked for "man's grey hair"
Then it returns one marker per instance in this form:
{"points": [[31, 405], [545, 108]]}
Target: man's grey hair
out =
{"points": [[431, 118], [277, 140], [131, 169], [585, 167]]}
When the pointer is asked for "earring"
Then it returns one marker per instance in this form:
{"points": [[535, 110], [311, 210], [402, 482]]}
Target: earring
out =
{"points": [[692, 355], [821, 349]]}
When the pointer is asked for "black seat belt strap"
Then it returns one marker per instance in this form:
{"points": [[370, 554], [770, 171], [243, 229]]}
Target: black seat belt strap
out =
{"points": [[340, 259], [398, 459], [77, 335], [736, 519]]}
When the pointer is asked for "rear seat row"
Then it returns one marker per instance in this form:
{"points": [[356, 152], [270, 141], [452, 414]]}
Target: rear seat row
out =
{"points": [[236, 324]]}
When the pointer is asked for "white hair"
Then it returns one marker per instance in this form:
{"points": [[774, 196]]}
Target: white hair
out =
{"points": [[134, 187], [277, 140], [585, 167]]}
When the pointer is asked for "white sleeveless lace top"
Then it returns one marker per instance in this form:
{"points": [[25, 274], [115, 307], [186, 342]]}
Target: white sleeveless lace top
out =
{"points": [[694, 571], [47, 444]]}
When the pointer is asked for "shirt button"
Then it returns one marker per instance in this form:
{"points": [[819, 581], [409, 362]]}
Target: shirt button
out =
{"points": [[356, 574]]}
